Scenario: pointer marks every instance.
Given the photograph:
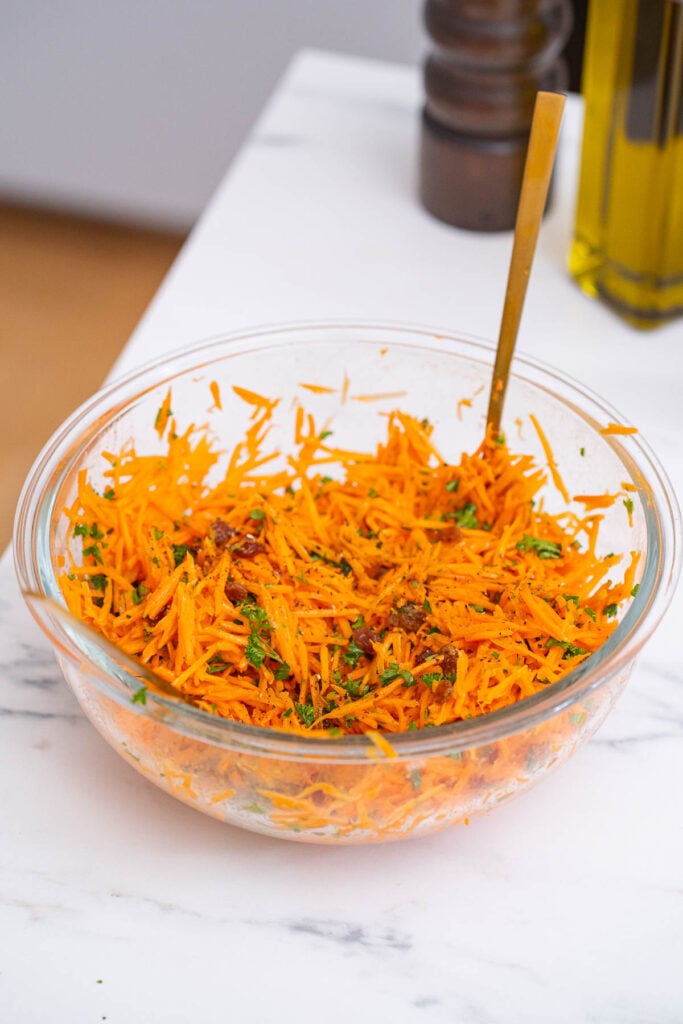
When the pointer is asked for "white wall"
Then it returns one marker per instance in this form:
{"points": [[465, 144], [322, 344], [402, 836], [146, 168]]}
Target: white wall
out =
{"points": [[134, 108]]}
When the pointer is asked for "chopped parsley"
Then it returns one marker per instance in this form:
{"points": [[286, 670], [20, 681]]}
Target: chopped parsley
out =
{"points": [[179, 553], [217, 664], [352, 654], [306, 713], [94, 551], [465, 516], [255, 615], [570, 650], [255, 651], [395, 672], [140, 697], [543, 548], [83, 530]]}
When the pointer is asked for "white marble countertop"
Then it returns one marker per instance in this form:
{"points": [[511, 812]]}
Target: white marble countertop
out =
{"points": [[118, 903]]}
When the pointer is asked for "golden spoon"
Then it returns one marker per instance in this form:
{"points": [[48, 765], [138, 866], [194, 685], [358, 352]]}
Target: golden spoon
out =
{"points": [[545, 129]]}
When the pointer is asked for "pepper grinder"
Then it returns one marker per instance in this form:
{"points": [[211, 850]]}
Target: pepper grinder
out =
{"points": [[489, 59]]}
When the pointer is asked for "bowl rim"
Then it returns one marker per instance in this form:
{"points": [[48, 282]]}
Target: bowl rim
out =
{"points": [[660, 571]]}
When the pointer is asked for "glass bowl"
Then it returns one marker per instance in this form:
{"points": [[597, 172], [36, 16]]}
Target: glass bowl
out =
{"points": [[350, 789]]}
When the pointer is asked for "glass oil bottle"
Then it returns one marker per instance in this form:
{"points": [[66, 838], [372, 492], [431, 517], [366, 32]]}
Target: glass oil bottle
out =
{"points": [[628, 242]]}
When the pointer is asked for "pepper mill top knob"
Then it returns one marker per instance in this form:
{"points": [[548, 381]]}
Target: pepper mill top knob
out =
{"points": [[488, 60]]}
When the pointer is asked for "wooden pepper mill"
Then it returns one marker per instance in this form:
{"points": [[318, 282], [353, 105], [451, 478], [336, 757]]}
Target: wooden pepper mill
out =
{"points": [[489, 59]]}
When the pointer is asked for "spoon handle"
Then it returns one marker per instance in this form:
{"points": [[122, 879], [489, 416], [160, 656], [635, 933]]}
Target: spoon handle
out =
{"points": [[545, 130]]}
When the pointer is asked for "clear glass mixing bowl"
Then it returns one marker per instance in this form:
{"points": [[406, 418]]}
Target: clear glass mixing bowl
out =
{"points": [[346, 790]]}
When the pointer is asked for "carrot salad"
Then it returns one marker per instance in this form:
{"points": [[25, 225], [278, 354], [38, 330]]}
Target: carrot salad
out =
{"points": [[348, 592]]}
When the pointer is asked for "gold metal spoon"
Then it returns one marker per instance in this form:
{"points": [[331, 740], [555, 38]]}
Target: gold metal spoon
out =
{"points": [[545, 129]]}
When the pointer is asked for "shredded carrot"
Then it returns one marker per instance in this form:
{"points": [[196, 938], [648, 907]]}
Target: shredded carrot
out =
{"points": [[552, 465], [215, 394], [318, 389], [403, 594], [378, 397], [618, 428], [406, 593], [593, 501], [163, 415]]}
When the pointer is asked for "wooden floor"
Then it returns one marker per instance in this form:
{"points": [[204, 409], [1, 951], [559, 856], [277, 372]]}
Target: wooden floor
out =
{"points": [[71, 292]]}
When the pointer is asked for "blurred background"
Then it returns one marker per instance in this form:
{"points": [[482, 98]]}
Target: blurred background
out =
{"points": [[117, 121]]}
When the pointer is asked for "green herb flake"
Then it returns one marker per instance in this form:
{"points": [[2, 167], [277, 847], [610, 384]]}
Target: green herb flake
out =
{"points": [[610, 610], [429, 678], [635, 590], [628, 505], [179, 553], [255, 615], [570, 650], [217, 664], [352, 654], [254, 651], [138, 593], [254, 808], [140, 697], [394, 671], [324, 434], [543, 548], [452, 486], [94, 551], [372, 493], [99, 581], [282, 671], [157, 533], [257, 513], [345, 567], [465, 517], [582, 451], [306, 713]]}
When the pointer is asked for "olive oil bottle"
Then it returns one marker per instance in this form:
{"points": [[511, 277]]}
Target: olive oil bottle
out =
{"points": [[628, 241]]}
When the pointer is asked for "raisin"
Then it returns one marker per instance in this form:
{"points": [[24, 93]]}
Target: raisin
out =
{"points": [[424, 655], [235, 592], [410, 617], [448, 656], [222, 532], [364, 637], [442, 690], [248, 548]]}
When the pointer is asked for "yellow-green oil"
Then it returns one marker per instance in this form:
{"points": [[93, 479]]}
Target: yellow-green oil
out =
{"points": [[628, 242]]}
